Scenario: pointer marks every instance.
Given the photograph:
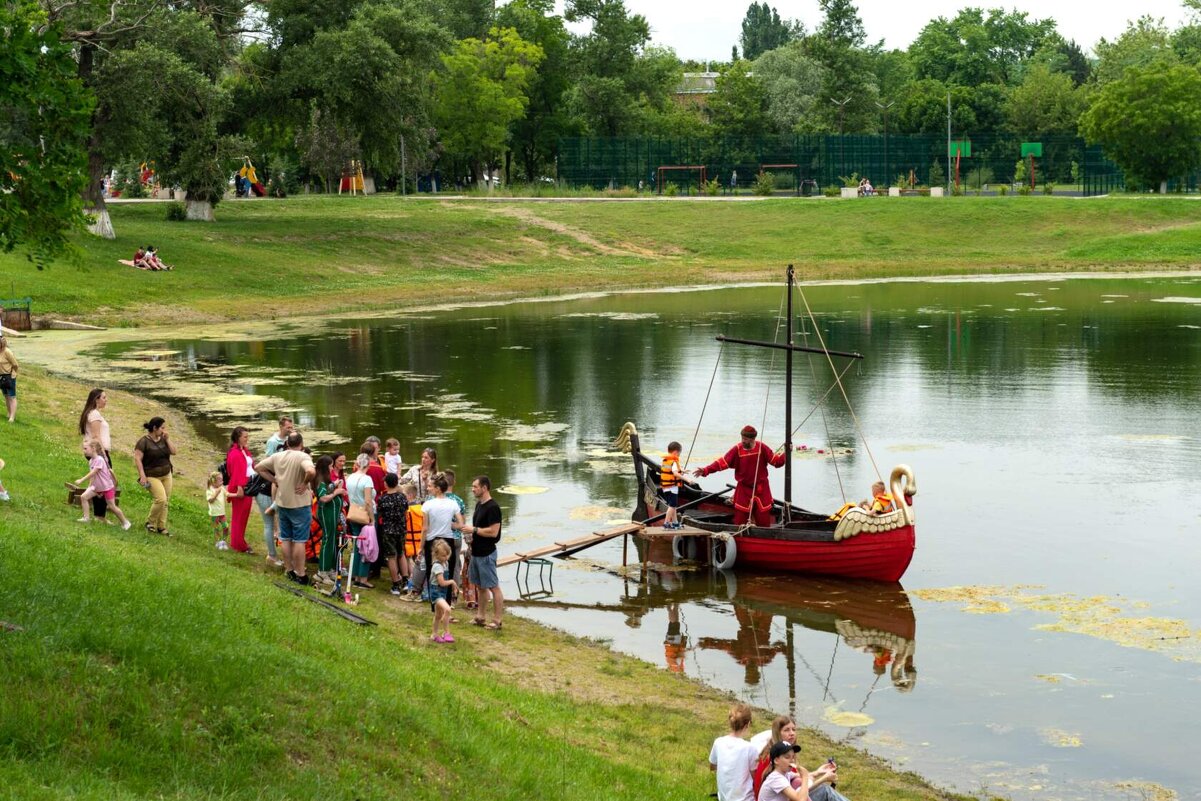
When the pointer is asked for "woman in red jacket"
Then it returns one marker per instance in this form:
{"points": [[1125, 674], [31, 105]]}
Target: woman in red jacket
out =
{"points": [[239, 463]]}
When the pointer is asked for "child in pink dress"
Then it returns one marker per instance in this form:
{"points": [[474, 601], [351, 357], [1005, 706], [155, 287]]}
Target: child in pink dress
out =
{"points": [[101, 482]]}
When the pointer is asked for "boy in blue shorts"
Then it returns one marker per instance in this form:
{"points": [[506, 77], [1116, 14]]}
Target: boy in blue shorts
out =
{"points": [[670, 477]]}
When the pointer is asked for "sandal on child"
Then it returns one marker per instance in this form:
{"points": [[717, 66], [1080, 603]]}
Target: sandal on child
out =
{"points": [[364, 585], [479, 621], [493, 626], [448, 637]]}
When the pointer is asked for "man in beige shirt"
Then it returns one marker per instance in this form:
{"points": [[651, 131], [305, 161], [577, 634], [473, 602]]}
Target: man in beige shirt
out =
{"points": [[292, 472]]}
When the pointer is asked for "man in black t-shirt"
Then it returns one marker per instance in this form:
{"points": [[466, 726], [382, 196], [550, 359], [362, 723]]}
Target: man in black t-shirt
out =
{"points": [[485, 534]]}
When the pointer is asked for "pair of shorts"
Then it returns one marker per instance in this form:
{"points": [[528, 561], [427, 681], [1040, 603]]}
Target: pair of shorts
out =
{"points": [[9, 388], [109, 495], [391, 543], [217, 519], [482, 571], [295, 525], [672, 497]]}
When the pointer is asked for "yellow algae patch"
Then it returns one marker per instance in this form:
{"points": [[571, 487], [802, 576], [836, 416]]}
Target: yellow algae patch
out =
{"points": [[986, 607], [1095, 616], [1049, 678], [1148, 791], [522, 489], [849, 719], [596, 512], [1058, 738], [150, 354], [520, 432]]}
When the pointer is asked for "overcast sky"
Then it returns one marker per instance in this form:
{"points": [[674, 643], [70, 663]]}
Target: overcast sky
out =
{"points": [[707, 29]]}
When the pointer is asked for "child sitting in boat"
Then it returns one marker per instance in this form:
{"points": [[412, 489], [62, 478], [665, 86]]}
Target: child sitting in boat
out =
{"points": [[881, 502]]}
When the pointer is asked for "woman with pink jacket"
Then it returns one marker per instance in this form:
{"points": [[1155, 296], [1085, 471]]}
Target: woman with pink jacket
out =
{"points": [[239, 463]]}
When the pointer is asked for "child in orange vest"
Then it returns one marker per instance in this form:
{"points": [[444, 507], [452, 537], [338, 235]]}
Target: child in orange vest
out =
{"points": [[669, 479], [882, 502], [414, 532]]}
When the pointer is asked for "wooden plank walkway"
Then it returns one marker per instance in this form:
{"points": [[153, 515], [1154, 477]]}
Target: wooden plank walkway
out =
{"points": [[597, 537]]}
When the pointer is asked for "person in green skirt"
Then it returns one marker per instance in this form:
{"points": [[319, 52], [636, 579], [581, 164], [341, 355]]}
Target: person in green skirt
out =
{"points": [[330, 492]]}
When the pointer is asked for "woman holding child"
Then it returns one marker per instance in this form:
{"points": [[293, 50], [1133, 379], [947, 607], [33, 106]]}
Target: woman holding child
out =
{"points": [[93, 426]]}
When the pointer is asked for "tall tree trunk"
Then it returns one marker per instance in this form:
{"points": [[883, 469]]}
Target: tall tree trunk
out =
{"points": [[199, 210], [508, 168], [477, 172], [93, 193]]}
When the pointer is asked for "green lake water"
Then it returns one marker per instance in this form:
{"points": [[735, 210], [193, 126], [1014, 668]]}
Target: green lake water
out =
{"points": [[1051, 425]]}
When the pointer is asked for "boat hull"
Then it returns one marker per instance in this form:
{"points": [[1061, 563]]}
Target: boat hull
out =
{"points": [[883, 556]]}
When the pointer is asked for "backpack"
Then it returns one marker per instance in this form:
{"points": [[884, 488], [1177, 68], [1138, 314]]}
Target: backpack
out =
{"points": [[223, 469]]}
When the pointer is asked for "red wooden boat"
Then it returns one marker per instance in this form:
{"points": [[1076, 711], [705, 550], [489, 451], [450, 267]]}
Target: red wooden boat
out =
{"points": [[853, 543]]}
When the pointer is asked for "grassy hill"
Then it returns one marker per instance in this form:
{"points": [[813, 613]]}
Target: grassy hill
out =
{"points": [[314, 254], [141, 667]]}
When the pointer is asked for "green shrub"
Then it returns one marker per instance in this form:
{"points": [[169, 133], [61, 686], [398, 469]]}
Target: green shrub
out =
{"points": [[979, 177], [849, 180], [129, 181], [1003, 190], [1048, 188], [285, 177], [176, 212], [832, 191], [1024, 190], [902, 181], [937, 176], [957, 190], [672, 189], [765, 184], [712, 187], [1075, 173]]}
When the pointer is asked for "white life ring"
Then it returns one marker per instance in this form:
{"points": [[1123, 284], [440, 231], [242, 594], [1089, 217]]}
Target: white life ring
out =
{"points": [[731, 552], [678, 546]]}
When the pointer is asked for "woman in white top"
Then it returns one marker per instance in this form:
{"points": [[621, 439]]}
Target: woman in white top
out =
{"points": [[360, 491], [93, 426], [442, 520]]}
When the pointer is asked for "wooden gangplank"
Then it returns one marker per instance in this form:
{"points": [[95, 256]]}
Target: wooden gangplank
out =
{"points": [[576, 544]]}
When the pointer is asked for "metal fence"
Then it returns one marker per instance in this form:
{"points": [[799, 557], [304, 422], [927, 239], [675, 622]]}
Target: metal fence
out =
{"points": [[805, 162]]}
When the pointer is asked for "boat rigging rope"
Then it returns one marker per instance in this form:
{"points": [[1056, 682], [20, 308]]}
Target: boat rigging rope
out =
{"points": [[704, 406], [841, 388], [771, 367], [826, 424], [820, 400]]}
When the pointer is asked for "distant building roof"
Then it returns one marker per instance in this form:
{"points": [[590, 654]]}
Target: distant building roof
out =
{"points": [[698, 83]]}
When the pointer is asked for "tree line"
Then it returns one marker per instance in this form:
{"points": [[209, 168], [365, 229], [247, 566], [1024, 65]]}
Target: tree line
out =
{"points": [[466, 87]]}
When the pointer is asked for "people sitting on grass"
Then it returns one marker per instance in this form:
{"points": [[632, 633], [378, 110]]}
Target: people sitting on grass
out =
{"points": [[733, 759]]}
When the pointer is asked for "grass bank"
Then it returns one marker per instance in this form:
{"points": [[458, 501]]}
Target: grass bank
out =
{"points": [[140, 667], [306, 255]]}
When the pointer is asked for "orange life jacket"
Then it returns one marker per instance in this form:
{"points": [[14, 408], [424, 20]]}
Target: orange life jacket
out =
{"points": [[667, 477], [414, 528], [883, 504]]}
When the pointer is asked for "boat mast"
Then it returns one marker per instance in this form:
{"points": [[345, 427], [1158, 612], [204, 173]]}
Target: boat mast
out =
{"points": [[788, 407]]}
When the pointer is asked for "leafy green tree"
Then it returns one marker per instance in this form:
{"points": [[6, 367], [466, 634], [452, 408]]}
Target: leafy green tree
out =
{"points": [[923, 108], [976, 47], [1046, 102], [622, 81], [738, 107], [1149, 122], [838, 46], [466, 19], [45, 119], [480, 93], [763, 30], [792, 83], [536, 135], [1145, 42]]}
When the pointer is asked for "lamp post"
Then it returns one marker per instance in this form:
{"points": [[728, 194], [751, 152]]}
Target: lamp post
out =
{"points": [[887, 165], [842, 143]]}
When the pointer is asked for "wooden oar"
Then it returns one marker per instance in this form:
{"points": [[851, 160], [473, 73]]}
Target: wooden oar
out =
{"points": [[688, 505]]}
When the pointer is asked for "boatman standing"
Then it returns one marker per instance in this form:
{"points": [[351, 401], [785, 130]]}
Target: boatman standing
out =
{"points": [[749, 460]]}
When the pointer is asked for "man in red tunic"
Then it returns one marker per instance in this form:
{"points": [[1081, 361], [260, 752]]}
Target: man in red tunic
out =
{"points": [[749, 459]]}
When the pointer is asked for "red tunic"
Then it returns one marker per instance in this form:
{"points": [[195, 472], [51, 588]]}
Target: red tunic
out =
{"points": [[753, 494]]}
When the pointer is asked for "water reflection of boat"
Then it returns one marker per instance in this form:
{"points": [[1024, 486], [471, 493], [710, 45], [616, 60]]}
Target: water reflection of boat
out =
{"points": [[853, 543]]}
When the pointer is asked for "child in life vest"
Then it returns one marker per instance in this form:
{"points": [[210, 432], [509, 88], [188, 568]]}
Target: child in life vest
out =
{"points": [[441, 585], [669, 479], [100, 482], [216, 495], [881, 502], [414, 532]]}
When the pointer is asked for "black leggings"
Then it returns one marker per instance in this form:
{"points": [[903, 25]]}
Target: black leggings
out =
{"points": [[99, 504], [454, 563]]}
